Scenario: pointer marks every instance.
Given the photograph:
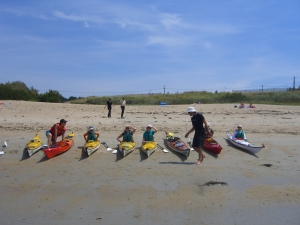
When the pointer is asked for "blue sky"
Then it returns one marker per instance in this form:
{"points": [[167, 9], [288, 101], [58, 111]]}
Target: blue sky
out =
{"points": [[83, 48]]}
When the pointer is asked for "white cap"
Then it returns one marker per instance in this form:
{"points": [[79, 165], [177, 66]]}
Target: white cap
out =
{"points": [[149, 125], [240, 125], [191, 109], [208, 124], [90, 128]]}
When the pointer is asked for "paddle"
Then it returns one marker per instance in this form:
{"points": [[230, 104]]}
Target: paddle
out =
{"points": [[108, 148], [164, 150], [3, 147]]}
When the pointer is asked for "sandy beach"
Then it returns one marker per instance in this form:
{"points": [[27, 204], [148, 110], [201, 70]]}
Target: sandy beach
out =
{"points": [[165, 188]]}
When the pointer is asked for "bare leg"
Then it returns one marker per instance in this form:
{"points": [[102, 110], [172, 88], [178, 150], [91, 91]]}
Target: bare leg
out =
{"points": [[49, 136], [201, 156]]}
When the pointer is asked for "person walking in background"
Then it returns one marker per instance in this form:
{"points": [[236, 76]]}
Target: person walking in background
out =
{"points": [[109, 105], [197, 121], [122, 104]]}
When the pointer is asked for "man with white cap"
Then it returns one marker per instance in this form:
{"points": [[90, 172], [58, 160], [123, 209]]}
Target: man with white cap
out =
{"points": [[127, 134], [148, 134], [200, 132], [239, 133], [91, 134]]}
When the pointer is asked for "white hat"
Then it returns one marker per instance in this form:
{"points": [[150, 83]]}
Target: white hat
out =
{"points": [[149, 125], [208, 124], [90, 128], [240, 125], [191, 109]]}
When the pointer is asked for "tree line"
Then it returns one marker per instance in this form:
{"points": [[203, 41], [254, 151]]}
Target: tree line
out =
{"points": [[18, 90]]}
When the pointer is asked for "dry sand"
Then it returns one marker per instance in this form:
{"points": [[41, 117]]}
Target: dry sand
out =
{"points": [[165, 188]]}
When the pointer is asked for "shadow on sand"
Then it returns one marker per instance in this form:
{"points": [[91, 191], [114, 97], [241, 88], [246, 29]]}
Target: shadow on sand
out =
{"points": [[242, 150], [84, 155], [210, 153], [143, 155], [177, 163], [25, 155], [45, 158]]}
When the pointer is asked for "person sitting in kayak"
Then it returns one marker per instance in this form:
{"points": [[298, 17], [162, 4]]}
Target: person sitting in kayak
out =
{"points": [[91, 135], [55, 131], [127, 134], [210, 130], [148, 134], [239, 133]]}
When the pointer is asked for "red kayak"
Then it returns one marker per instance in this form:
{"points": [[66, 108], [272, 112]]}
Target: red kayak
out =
{"points": [[211, 145], [60, 147]]}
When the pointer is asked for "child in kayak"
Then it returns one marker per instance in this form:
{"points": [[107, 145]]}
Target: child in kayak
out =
{"points": [[91, 134], [210, 130], [239, 133], [55, 131], [148, 134], [127, 134]]}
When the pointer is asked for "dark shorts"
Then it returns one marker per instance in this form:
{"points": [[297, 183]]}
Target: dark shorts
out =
{"points": [[198, 139]]}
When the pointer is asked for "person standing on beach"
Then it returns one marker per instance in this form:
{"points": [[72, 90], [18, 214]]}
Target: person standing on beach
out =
{"points": [[122, 104], [109, 105], [55, 131], [200, 132]]}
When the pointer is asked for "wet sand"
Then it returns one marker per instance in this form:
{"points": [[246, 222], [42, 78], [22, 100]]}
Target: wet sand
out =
{"points": [[165, 188]]}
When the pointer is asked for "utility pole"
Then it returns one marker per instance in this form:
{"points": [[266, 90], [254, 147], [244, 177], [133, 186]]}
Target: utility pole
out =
{"points": [[294, 83], [262, 88], [164, 89]]}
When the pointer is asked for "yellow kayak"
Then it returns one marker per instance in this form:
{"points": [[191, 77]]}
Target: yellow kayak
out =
{"points": [[91, 146], [149, 147], [34, 144], [126, 147]]}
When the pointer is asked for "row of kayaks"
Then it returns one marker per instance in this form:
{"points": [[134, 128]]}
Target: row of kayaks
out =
{"points": [[179, 146]]}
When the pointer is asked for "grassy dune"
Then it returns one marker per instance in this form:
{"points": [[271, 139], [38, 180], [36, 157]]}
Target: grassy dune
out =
{"points": [[278, 98]]}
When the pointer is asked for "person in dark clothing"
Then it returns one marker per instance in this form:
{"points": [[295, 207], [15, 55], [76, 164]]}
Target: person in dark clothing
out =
{"points": [[109, 105], [122, 104], [200, 132]]}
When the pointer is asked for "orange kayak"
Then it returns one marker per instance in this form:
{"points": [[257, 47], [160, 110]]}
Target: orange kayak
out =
{"points": [[60, 147]]}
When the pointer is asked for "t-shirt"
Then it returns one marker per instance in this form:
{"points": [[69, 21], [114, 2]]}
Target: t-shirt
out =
{"points": [[148, 135], [197, 121], [122, 102], [109, 103]]}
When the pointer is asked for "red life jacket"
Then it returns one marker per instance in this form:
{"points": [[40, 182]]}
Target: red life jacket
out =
{"points": [[60, 131]]}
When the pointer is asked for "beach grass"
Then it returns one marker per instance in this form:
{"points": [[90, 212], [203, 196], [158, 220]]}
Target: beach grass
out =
{"points": [[277, 98]]}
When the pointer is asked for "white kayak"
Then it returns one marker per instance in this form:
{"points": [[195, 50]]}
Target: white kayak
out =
{"points": [[244, 144]]}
